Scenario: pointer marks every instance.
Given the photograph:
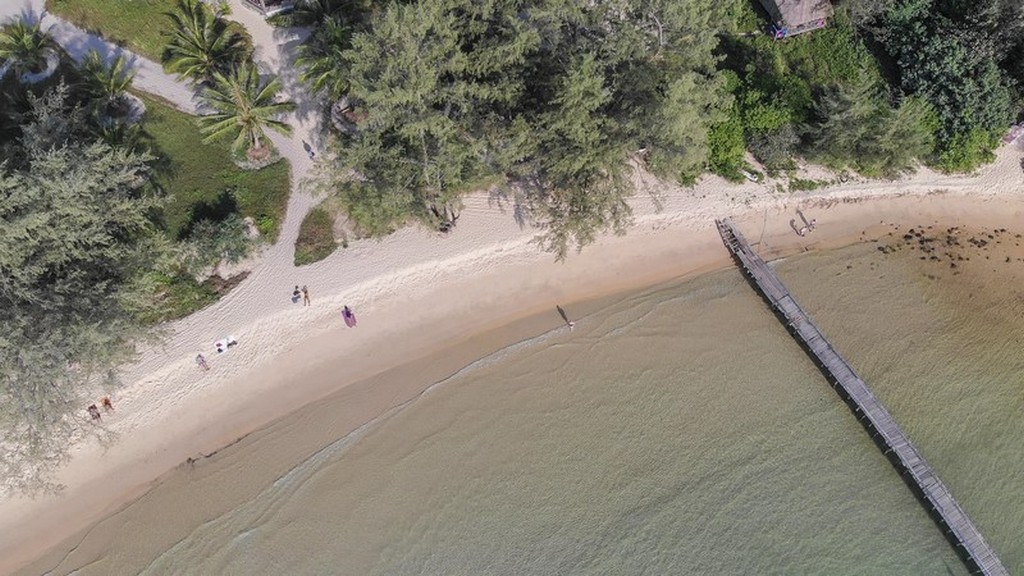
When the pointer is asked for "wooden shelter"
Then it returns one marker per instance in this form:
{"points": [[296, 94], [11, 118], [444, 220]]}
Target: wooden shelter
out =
{"points": [[791, 17]]}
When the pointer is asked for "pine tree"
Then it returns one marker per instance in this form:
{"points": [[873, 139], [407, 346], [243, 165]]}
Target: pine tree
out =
{"points": [[75, 241]]}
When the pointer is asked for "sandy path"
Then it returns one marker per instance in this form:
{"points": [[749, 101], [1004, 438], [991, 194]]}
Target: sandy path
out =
{"points": [[392, 281]]}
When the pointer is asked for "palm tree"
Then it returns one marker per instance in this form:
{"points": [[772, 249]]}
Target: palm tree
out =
{"points": [[244, 106], [107, 83], [203, 43], [313, 12], [324, 61], [25, 47]]}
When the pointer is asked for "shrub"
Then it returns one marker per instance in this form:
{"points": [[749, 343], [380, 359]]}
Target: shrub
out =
{"points": [[212, 242], [316, 237], [774, 149], [966, 152], [267, 226], [802, 184], [727, 146], [177, 295]]}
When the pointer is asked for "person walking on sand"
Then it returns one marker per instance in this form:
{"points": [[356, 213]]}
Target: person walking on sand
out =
{"points": [[201, 361], [569, 323], [296, 293], [107, 404], [305, 296]]}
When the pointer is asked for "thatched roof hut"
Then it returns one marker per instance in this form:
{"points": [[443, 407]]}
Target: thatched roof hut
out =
{"points": [[790, 17]]}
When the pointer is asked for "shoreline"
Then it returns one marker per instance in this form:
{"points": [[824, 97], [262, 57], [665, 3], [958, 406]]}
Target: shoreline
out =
{"points": [[511, 296]]}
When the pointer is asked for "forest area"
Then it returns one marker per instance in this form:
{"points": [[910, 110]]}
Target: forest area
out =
{"points": [[555, 103]]}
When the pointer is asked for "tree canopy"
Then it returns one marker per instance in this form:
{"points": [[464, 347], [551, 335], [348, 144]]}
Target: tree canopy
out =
{"points": [[244, 106], [76, 241], [550, 96], [949, 53], [203, 43]]}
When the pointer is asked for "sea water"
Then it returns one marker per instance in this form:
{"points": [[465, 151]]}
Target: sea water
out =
{"points": [[680, 430]]}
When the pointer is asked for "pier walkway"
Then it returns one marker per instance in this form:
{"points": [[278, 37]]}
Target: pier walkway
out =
{"points": [[961, 530]]}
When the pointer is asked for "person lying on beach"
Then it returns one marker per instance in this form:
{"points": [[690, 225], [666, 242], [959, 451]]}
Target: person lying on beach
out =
{"points": [[349, 316], [225, 343], [94, 412], [107, 404]]}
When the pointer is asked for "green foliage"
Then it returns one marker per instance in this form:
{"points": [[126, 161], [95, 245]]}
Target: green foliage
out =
{"points": [[375, 210], [579, 171], [727, 146], [212, 242], [950, 58], [244, 107], [781, 86], [203, 182], [775, 148], [202, 43], [266, 226], [52, 120], [966, 152], [761, 114], [832, 55], [107, 82], [421, 93], [806, 185], [138, 25], [75, 242], [323, 59], [861, 129], [24, 46], [316, 237], [176, 295], [555, 96]]}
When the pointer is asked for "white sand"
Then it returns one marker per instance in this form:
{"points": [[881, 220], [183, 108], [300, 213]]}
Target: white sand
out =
{"points": [[413, 292]]}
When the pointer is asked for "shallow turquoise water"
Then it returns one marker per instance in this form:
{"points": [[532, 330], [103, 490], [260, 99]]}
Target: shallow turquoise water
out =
{"points": [[679, 431]]}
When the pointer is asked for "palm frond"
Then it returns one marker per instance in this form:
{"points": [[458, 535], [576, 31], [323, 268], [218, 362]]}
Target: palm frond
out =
{"points": [[203, 43], [244, 105], [25, 46]]}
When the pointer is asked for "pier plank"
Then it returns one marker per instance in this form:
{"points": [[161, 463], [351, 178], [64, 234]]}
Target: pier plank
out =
{"points": [[932, 488]]}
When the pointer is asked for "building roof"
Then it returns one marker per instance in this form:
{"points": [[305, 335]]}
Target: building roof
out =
{"points": [[795, 13]]}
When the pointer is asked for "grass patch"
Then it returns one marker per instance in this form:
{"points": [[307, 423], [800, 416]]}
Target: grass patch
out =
{"points": [[139, 25], [806, 185], [316, 237], [201, 179], [178, 296]]}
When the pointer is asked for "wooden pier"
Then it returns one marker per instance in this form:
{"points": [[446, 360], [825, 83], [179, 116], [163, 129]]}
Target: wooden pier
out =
{"points": [[961, 530]]}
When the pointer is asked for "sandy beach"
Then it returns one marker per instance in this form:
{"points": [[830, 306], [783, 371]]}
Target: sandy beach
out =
{"points": [[427, 306]]}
